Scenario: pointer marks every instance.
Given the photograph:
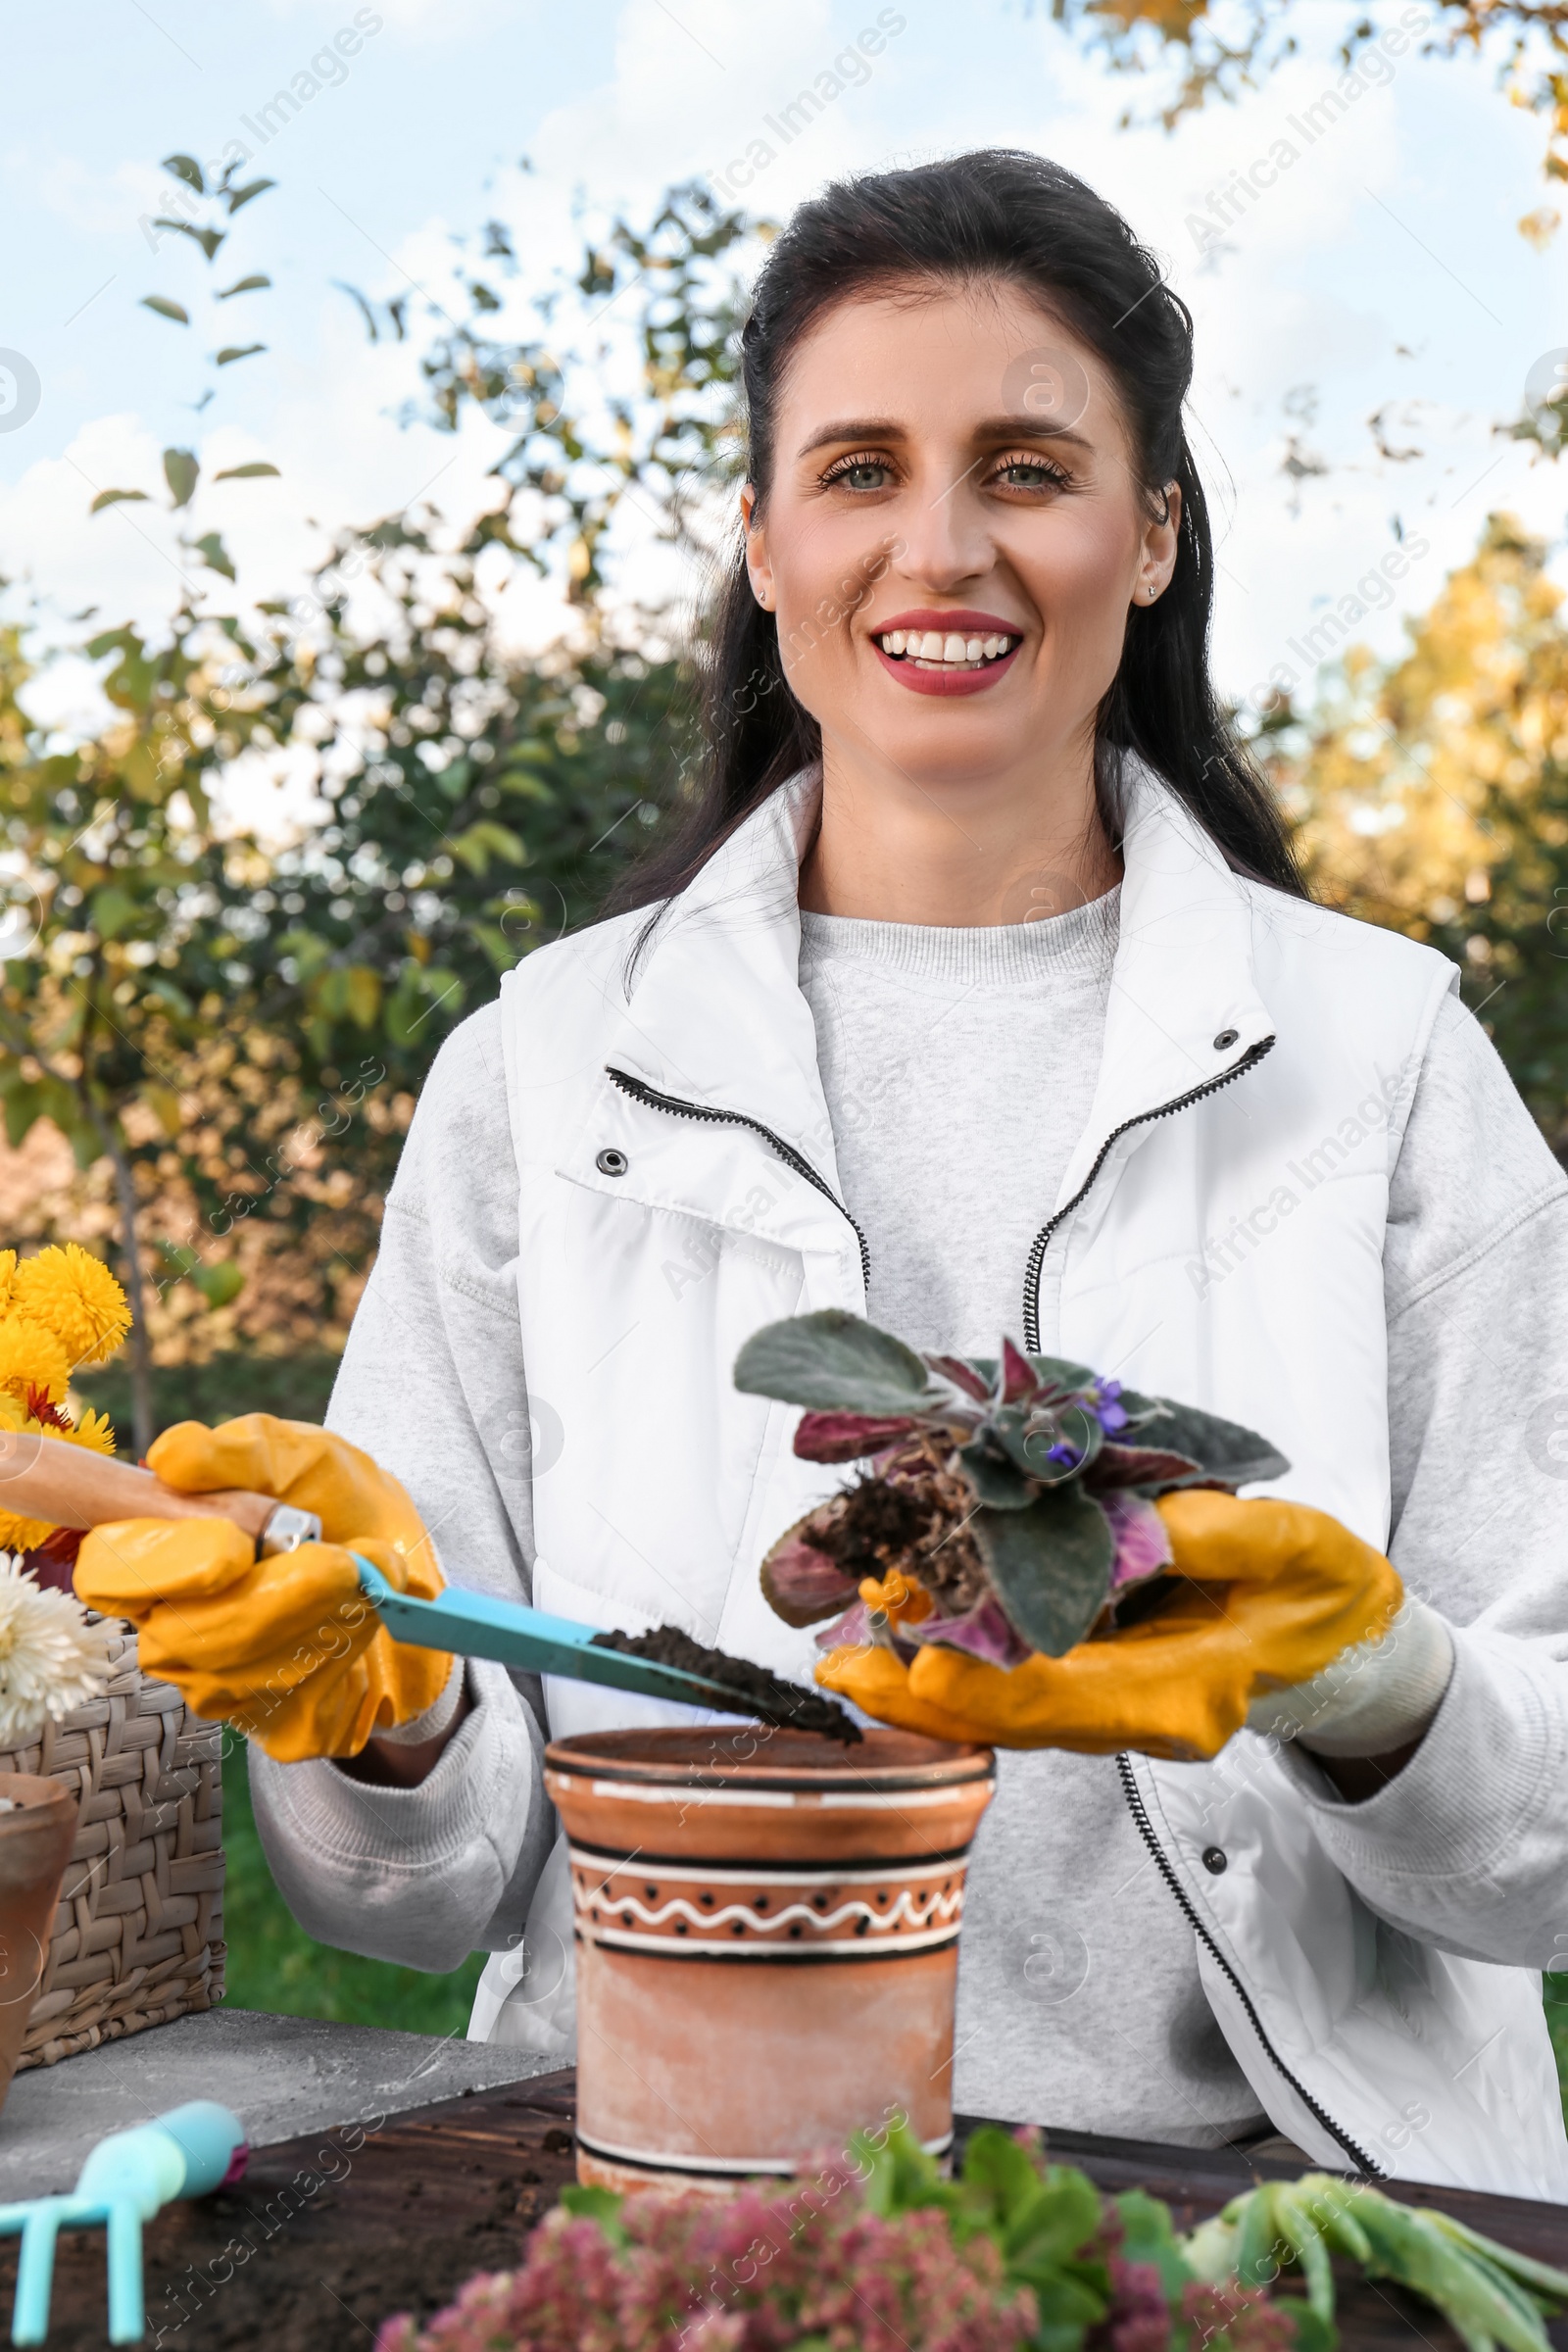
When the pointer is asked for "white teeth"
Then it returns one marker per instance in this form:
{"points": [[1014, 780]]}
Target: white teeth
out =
{"points": [[944, 649]]}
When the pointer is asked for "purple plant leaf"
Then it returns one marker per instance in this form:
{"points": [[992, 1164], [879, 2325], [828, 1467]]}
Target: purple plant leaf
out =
{"points": [[845, 1437], [801, 1584], [984, 1631], [1019, 1379], [963, 1375], [1141, 1466], [1141, 1537]]}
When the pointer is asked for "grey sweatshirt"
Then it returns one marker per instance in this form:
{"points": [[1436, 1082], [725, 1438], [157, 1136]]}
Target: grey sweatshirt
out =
{"points": [[958, 1068]]}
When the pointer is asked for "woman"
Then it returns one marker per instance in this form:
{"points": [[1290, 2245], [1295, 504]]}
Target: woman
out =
{"points": [[980, 995]]}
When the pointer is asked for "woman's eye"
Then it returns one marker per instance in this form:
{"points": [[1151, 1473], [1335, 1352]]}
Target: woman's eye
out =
{"points": [[862, 474], [1029, 474]]}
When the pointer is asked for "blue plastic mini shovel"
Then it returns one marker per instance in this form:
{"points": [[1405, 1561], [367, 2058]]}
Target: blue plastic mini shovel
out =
{"points": [[473, 1626], [126, 2178]]}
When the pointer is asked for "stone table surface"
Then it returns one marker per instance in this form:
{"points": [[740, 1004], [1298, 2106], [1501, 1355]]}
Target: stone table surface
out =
{"points": [[281, 2076]]}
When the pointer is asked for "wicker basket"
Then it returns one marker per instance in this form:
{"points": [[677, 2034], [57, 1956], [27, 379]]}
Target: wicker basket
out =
{"points": [[139, 1936]]}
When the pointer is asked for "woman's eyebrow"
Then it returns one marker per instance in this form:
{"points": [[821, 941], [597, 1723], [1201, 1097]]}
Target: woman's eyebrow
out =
{"points": [[862, 428], [991, 429]]}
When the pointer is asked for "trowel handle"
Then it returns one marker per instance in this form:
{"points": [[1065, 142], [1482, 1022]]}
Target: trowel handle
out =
{"points": [[69, 1486]]}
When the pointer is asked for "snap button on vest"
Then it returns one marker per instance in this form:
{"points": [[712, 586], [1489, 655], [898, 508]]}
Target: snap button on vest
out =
{"points": [[610, 1162], [1214, 1859], [1226, 1036]]}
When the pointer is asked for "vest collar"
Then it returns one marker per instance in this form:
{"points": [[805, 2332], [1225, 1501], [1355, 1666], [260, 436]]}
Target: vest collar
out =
{"points": [[716, 1017]]}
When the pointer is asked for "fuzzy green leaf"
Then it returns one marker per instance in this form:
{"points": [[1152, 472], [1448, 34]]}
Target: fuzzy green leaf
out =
{"points": [[1030, 1449], [214, 555], [115, 497], [998, 1485], [237, 350], [166, 309], [245, 285], [247, 473], [1222, 1450], [829, 1361], [1049, 1566], [187, 169]]}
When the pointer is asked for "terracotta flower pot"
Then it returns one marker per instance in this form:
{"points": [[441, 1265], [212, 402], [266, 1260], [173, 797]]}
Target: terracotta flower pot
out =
{"points": [[766, 1941], [38, 1830]]}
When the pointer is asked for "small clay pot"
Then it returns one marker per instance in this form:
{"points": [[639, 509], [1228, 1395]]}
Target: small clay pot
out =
{"points": [[36, 1834], [766, 1943]]}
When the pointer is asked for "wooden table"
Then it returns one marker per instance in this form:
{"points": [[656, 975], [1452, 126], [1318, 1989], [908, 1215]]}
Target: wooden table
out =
{"points": [[328, 2235]]}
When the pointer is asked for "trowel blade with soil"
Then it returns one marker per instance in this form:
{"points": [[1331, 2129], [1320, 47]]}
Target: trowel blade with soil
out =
{"points": [[473, 1625]]}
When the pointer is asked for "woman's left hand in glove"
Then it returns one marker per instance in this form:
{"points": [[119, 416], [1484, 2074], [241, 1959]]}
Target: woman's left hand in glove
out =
{"points": [[1281, 1614]]}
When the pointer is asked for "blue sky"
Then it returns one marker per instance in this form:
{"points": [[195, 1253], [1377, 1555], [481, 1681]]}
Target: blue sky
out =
{"points": [[1381, 274]]}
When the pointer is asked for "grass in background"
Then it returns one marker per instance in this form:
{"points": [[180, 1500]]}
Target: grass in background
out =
{"points": [[274, 1965]]}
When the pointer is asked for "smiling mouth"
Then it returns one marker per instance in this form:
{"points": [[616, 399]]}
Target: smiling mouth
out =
{"points": [[930, 649]]}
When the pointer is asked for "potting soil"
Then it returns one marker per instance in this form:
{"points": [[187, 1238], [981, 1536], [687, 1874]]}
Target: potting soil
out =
{"points": [[769, 1698]]}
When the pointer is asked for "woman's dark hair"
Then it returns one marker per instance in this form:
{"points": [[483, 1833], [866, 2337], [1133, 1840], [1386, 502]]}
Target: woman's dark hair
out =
{"points": [[1004, 215]]}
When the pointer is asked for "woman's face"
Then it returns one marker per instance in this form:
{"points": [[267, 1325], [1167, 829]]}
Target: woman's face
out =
{"points": [[953, 537]]}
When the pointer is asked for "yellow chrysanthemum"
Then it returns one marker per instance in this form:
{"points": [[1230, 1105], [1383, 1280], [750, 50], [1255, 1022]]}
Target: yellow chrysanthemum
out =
{"points": [[94, 1430], [8, 1276], [74, 1294], [31, 1357]]}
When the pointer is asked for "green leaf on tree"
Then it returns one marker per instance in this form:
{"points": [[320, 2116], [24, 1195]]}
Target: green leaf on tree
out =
{"points": [[237, 350], [254, 187], [214, 555], [166, 309], [187, 169], [245, 285], [251, 472], [209, 239], [113, 498], [180, 472]]}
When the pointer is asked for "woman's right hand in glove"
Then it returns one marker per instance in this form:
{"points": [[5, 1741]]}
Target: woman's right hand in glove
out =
{"points": [[286, 1648]]}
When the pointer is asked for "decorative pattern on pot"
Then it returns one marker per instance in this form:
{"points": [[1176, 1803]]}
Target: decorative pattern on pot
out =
{"points": [[766, 1941]]}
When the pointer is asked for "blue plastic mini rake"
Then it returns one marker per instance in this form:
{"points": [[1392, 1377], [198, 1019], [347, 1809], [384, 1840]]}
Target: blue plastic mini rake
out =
{"points": [[126, 2178]]}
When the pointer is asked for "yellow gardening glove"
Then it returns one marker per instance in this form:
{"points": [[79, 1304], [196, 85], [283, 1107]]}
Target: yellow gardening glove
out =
{"points": [[1276, 1591], [286, 1648]]}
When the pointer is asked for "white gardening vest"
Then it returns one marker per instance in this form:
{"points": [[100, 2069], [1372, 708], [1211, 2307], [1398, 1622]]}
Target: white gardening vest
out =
{"points": [[1219, 1238]]}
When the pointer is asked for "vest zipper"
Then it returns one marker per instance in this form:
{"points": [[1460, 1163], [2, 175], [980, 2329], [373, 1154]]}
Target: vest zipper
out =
{"points": [[1037, 1255], [642, 1093], [1365, 2163]]}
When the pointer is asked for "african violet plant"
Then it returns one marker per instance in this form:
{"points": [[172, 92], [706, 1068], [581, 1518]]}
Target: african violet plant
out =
{"points": [[1016, 1495]]}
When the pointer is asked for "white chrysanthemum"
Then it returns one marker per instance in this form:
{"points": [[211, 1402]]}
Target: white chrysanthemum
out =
{"points": [[51, 1660]]}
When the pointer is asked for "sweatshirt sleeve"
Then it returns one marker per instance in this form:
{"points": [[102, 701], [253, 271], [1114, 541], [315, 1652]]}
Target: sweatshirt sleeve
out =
{"points": [[432, 1385], [1467, 1847]]}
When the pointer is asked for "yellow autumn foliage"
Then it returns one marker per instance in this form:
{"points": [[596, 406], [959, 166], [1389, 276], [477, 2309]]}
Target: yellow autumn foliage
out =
{"points": [[1418, 779]]}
